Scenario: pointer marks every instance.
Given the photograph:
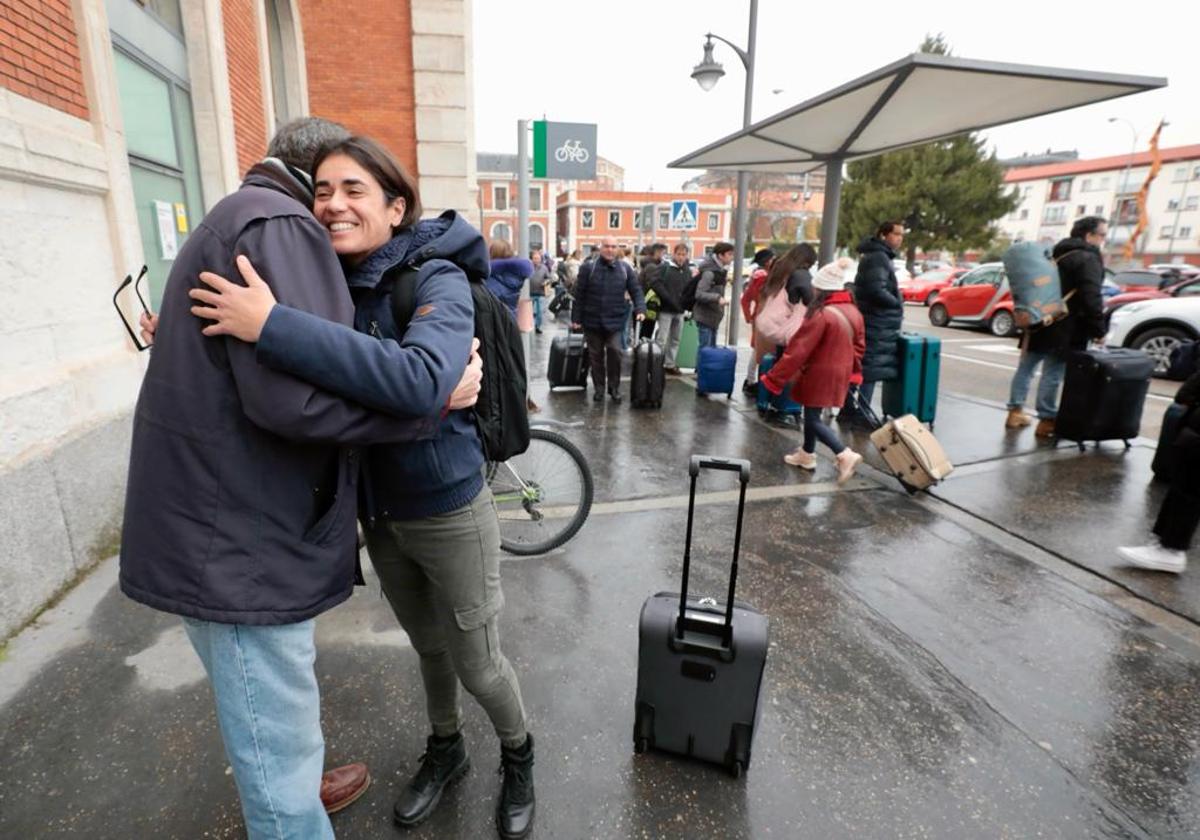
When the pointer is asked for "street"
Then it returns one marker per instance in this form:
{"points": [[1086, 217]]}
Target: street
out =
{"points": [[967, 663]]}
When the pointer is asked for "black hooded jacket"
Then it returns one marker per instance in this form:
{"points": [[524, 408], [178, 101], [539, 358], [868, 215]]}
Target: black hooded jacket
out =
{"points": [[877, 294]]}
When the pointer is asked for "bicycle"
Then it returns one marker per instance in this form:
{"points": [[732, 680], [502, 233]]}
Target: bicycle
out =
{"points": [[543, 496]]}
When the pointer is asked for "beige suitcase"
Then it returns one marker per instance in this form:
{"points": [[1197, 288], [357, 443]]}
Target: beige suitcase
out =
{"points": [[912, 452]]}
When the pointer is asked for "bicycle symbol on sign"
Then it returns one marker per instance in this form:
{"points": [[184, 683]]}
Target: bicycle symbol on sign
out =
{"points": [[571, 150]]}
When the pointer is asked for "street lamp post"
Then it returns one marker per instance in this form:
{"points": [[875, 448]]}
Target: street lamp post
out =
{"points": [[1124, 185], [707, 73]]}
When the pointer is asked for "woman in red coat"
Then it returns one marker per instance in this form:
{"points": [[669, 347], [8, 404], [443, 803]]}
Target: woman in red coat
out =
{"points": [[824, 357]]}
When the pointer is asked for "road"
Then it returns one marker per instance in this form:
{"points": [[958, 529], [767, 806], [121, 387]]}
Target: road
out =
{"points": [[977, 364]]}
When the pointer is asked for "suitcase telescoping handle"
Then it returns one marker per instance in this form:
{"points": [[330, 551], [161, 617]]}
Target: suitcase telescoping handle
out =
{"points": [[711, 462]]}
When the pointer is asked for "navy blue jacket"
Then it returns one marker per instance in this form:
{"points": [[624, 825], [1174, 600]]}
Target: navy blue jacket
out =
{"points": [[412, 370], [240, 503], [878, 297], [600, 295], [506, 277]]}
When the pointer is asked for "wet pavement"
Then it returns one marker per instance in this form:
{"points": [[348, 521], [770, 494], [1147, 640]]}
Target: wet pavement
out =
{"points": [[932, 672]]}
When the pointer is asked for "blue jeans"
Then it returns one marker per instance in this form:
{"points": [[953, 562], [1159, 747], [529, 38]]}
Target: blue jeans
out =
{"points": [[537, 310], [269, 711], [708, 336], [1053, 368], [816, 430]]}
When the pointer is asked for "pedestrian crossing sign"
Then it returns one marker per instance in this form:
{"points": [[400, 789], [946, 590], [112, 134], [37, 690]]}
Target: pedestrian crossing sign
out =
{"points": [[683, 214]]}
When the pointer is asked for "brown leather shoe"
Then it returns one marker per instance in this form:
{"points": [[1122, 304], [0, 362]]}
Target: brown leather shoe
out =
{"points": [[1045, 429], [341, 786], [1017, 419]]}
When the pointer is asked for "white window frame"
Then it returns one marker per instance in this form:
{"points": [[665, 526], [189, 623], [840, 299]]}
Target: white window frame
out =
{"points": [[1104, 182], [1185, 232], [541, 228], [1099, 210], [1180, 175], [1024, 213], [714, 221], [1192, 203], [497, 191], [611, 226], [536, 190], [1166, 232], [664, 219], [1086, 186], [1054, 215], [1172, 203], [1053, 185], [637, 219], [497, 226], [584, 216], [1080, 210]]}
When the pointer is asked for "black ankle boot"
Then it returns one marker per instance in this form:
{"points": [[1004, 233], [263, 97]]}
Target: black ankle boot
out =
{"points": [[444, 761], [514, 811]]}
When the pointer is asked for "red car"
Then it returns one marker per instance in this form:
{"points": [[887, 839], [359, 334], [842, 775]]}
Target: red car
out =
{"points": [[978, 298], [1184, 288], [924, 288]]}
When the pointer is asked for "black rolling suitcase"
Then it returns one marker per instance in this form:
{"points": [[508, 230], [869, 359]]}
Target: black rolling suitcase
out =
{"points": [[1103, 394], [568, 367], [700, 663], [649, 377], [1165, 460]]}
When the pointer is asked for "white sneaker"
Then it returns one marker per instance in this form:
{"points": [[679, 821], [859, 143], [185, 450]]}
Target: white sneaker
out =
{"points": [[1155, 557], [847, 461], [800, 458]]}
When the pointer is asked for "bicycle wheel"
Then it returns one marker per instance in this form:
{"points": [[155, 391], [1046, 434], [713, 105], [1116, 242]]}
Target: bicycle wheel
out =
{"points": [[543, 495]]}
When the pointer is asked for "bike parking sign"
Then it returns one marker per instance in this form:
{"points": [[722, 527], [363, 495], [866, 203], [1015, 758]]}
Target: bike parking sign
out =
{"points": [[564, 150]]}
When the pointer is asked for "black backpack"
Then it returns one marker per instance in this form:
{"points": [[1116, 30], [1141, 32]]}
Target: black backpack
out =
{"points": [[688, 299], [501, 413]]}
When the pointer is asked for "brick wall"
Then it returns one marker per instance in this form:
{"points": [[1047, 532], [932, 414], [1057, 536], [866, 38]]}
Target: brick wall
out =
{"points": [[245, 81], [39, 54], [360, 70]]}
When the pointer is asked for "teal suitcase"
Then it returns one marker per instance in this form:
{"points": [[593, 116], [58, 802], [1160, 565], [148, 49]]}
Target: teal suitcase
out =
{"points": [[916, 391]]}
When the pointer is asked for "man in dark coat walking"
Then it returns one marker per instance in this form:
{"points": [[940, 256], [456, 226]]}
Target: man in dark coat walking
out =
{"points": [[878, 297], [600, 310], [1081, 272]]}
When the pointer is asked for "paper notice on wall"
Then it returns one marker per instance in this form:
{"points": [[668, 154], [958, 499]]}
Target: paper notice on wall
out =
{"points": [[181, 220], [168, 240]]}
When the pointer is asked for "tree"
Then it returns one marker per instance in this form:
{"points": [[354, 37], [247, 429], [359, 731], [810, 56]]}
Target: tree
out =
{"points": [[947, 192]]}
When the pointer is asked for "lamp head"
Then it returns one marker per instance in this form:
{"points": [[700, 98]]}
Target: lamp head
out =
{"points": [[708, 72]]}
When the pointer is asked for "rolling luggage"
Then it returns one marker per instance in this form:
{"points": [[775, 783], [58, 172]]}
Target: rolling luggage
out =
{"points": [[916, 391], [649, 378], [700, 662], [568, 366], [1103, 395], [716, 368], [1165, 460], [689, 345], [1035, 285], [909, 449], [767, 402]]}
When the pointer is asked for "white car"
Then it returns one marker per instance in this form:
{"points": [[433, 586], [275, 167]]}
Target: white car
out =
{"points": [[902, 275], [1156, 326]]}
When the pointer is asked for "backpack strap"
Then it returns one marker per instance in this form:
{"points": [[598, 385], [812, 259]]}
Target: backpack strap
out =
{"points": [[404, 296]]}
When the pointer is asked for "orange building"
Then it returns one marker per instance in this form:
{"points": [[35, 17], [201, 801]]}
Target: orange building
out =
{"points": [[586, 216]]}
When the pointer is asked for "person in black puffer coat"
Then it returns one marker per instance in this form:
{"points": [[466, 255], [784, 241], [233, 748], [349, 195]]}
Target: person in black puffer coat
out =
{"points": [[599, 310], [878, 296]]}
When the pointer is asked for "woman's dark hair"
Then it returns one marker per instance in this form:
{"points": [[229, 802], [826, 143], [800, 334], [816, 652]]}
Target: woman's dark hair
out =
{"points": [[798, 256], [388, 172], [822, 297]]}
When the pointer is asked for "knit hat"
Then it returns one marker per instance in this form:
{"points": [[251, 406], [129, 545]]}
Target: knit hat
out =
{"points": [[834, 276], [764, 256]]}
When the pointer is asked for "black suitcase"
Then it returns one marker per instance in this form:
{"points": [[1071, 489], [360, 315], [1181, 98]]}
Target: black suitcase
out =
{"points": [[649, 377], [568, 367], [1103, 394], [700, 663], [1165, 459]]}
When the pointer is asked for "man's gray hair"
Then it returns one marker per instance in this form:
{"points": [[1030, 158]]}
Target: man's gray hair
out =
{"points": [[298, 142]]}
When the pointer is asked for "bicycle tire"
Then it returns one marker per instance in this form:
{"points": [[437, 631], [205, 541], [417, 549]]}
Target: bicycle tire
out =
{"points": [[526, 548]]}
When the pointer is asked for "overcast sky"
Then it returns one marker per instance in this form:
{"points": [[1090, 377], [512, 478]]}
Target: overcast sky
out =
{"points": [[626, 65]]}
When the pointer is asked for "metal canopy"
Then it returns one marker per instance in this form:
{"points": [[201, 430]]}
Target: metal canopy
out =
{"points": [[920, 98]]}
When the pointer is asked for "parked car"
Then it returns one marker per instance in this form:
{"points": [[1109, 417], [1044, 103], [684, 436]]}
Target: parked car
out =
{"points": [[1140, 280], [1156, 326], [1179, 271], [901, 267], [978, 298], [1185, 288], [924, 288]]}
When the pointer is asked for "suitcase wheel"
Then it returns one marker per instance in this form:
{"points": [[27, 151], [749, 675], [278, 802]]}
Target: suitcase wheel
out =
{"points": [[737, 769], [640, 745]]}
